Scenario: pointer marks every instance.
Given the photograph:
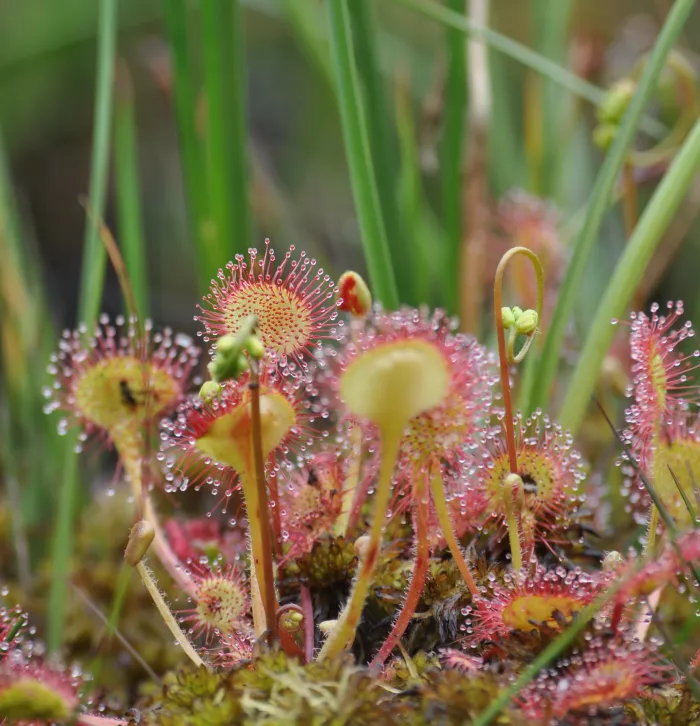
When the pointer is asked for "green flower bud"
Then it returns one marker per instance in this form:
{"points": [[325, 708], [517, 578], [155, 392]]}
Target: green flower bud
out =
{"points": [[526, 323], [604, 135], [507, 317], [209, 391], [615, 101], [255, 347]]}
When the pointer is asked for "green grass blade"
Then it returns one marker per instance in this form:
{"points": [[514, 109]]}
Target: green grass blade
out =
{"points": [[176, 18], [129, 214], [359, 158], [92, 280], [226, 158], [94, 255], [550, 22], [600, 199], [637, 254], [381, 139], [304, 20], [451, 152], [62, 546], [523, 54], [423, 245]]}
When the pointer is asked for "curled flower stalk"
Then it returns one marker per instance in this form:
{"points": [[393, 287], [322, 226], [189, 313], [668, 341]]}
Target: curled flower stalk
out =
{"points": [[519, 323]]}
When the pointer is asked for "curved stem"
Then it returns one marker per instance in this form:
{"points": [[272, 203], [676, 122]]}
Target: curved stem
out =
{"points": [[168, 618], [350, 481], [308, 607], [344, 632], [420, 573], [443, 514], [504, 357]]}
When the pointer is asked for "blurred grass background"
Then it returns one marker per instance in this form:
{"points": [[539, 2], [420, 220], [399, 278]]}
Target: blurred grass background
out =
{"points": [[47, 86], [199, 128]]}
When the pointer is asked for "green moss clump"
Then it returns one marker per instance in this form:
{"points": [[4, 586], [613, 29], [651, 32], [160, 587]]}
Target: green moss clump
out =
{"points": [[277, 691], [332, 560], [195, 698]]}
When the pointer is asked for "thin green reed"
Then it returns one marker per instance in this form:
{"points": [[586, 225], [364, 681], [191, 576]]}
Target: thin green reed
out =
{"points": [[130, 234], [637, 254], [521, 53], [600, 201], [550, 26], [382, 140], [359, 157], [94, 255], [225, 142], [452, 147], [90, 300], [185, 96]]}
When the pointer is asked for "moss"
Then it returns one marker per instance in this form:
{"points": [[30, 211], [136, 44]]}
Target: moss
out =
{"points": [[195, 698], [450, 698], [276, 690], [671, 706], [332, 560]]}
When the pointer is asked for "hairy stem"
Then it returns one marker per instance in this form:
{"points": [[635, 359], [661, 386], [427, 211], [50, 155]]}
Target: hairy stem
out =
{"points": [[420, 573], [350, 481], [506, 355], [512, 520], [308, 607], [166, 614], [443, 514], [344, 632]]}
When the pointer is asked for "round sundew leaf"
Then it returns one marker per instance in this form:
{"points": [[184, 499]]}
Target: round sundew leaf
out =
{"points": [[29, 698], [525, 610], [124, 389], [396, 381]]}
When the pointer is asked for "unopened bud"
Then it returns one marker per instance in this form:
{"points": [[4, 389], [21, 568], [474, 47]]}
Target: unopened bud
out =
{"points": [[209, 391], [604, 135], [230, 361], [140, 538], [291, 621], [355, 297], [507, 318], [255, 347], [526, 322], [612, 561], [327, 626], [615, 101], [362, 546], [226, 344]]}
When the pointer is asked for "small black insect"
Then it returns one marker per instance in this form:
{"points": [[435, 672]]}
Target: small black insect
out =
{"points": [[312, 479], [529, 484], [128, 398]]}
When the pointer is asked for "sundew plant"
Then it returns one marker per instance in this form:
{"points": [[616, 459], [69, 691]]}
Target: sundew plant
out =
{"points": [[454, 484]]}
